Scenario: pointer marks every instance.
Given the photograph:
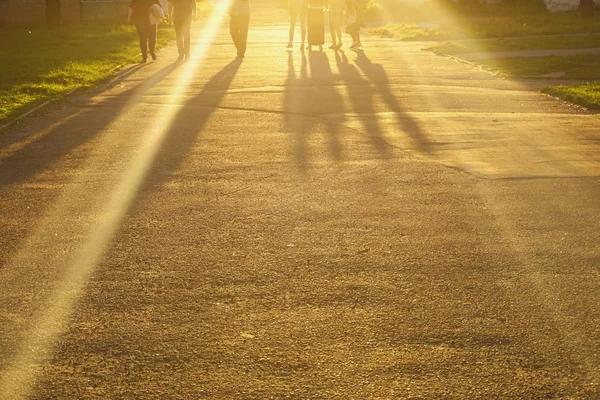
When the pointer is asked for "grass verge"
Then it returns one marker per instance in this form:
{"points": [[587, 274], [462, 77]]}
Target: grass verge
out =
{"points": [[494, 27], [587, 95], [526, 43], [40, 64], [585, 67], [409, 32], [522, 32]]}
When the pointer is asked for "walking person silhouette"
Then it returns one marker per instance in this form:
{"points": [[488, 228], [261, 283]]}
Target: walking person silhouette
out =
{"points": [[181, 13], [239, 14], [298, 10], [139, 15], [354, 21], [336, 20]]}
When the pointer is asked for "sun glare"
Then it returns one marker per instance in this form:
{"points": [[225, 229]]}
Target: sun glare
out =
{"points": [[105, 218]]}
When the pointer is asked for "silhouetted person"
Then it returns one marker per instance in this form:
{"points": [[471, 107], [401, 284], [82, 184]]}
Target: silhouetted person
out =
{"points": [[336, 20], [139, 15], [238, 24], [316, 24], [181, 13], [298, 10], [354, 22]]}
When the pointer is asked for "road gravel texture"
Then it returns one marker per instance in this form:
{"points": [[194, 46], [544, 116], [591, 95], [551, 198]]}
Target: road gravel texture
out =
{"points": [[380, 224]]}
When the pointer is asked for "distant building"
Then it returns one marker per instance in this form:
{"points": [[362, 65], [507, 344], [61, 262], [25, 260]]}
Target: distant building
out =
{"points": [[40, 12], [564, 5], [551, 5]]}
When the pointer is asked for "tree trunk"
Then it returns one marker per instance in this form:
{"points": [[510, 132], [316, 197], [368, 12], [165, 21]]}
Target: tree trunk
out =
{"points": [[586, 7]]}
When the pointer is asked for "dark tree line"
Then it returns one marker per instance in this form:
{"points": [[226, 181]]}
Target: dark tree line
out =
{"points": [[585, 6]]}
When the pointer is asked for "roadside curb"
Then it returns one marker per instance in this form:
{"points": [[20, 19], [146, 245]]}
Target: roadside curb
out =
{"points": [[121, 70], [460, 60], [44, 104], [589, 110]]}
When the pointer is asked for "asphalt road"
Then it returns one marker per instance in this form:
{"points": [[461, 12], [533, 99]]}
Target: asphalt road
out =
{"points": [[381, 224]]}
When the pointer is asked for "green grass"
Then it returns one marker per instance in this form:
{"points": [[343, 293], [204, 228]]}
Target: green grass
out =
{"points": [[40, 64], [587, 95], [495, 27], [504, 8], [528, 43], [438, 10], [408, 32], [203, 6], [528, 25], [513, 28], [583, 67], [573, 67]]}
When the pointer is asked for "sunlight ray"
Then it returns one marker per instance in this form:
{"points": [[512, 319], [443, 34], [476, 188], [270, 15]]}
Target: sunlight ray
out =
{"points": [[546, 296], [104, 219]]}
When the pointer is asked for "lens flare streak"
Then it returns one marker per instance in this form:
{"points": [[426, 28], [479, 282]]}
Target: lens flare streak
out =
{"points": [[18, 378]]}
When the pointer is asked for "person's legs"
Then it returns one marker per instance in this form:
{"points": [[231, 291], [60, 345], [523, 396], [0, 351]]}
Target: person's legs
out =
{"points": [[143, 34], [310, 27], [332, 32], [187, 26], [356, 37], [243, 33], [234, 31], [338, 21], [336, 34], [152, 32], [302, 15], [293, 16], [179, 34]]}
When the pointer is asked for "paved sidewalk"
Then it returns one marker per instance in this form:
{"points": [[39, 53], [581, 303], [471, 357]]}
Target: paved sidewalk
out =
{"points": [[377, 224]]}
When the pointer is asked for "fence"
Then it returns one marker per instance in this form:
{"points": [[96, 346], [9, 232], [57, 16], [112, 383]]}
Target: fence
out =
{"points": [[104, 10]]}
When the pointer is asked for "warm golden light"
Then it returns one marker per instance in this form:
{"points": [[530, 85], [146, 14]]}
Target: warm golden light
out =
{"points": [[102, 220]]}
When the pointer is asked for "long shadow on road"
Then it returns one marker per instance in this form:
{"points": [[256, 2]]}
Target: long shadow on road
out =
{"points": [[376, 74], [363, 101], [41, 153], [359, 92], [188, 124], [329, 101], [312, 103], [295, 102]]}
